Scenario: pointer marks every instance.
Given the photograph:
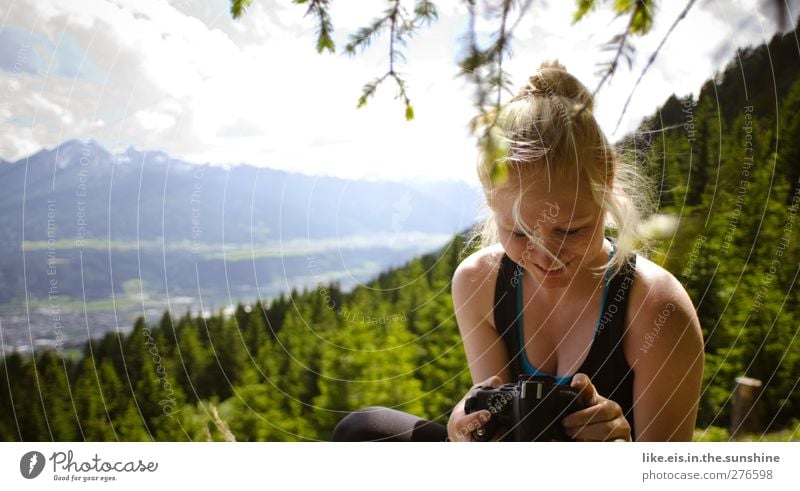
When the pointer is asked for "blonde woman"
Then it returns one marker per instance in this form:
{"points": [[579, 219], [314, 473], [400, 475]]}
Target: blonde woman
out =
{"points": [[550, 294]]}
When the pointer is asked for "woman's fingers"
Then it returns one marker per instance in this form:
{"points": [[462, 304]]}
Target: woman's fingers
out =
{"points": [[461, 425], [617, 429], [604, 410], [603, 421], [494, 381], [463, 428], [586, 390]]}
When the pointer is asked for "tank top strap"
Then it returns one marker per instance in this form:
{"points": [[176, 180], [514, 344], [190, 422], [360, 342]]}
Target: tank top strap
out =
{"points": [[605, 364], [505, 312], [607, 346]]}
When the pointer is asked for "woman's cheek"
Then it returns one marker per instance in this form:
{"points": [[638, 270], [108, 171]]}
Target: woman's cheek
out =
{"points": [[514, 247], [590, 246], [586, 246]]}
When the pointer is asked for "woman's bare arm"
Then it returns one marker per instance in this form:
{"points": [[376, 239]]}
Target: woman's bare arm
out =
{"points": [[473, 299], [664, 346]]}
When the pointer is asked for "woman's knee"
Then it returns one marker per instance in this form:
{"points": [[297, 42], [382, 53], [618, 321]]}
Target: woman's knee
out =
{"points": [[359, 426]]}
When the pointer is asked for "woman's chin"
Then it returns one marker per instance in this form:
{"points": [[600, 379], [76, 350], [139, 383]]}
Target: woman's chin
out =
{"points": [[553, 277]]}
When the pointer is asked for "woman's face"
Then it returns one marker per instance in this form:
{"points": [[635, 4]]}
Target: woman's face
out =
{"points": [[567, 224]]}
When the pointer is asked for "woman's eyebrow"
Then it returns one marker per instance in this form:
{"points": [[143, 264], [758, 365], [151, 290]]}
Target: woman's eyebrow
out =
{"points": [[574, 222], [577, 221]]}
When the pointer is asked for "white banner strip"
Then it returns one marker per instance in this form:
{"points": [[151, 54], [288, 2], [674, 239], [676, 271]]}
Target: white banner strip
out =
{"points": [[399, 466]]}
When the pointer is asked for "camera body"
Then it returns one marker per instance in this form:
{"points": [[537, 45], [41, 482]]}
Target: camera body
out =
{"points": [[530, 410]]}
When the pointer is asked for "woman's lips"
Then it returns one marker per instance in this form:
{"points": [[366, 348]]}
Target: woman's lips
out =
{"points": [[552, 272]]}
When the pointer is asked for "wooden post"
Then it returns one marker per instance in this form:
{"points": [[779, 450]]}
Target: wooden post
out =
{"points": [[744, 416]]}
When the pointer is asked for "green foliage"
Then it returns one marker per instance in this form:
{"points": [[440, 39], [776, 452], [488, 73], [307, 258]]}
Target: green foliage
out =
{"points": [[426, 12], [640, 11], [409, 112], [319, 9], [716, 434], [721, 168], [98, 402], [289, 369], [238, 7], [483, 65], [711, 434], [285, 371], [583, 8]]}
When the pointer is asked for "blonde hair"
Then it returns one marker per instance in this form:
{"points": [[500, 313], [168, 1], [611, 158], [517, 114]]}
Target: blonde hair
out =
{"points": [[549, 126]]}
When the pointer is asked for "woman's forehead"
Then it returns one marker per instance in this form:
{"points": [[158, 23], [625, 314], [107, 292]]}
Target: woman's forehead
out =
{"points": [[572, 197], [532, 193]]}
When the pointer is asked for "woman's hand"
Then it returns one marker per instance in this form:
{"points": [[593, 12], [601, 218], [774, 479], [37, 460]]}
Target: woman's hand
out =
{"points": [[461, 425], [601, 420]]}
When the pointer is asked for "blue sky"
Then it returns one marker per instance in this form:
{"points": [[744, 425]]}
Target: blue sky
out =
{"points": [[185, 78]]}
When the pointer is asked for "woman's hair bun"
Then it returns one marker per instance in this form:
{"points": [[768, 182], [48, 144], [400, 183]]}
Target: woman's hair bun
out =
{"points": [[553, 79]]}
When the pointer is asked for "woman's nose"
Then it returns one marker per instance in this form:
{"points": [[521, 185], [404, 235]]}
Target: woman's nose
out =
{"points": [[542, 254]]}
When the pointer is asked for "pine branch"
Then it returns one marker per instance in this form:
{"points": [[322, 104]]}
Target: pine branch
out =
{"points": [[364, 35], [425, 12], [620, 40], [584, 7], [238, 7], [482, 66], [640, 22], [400, 28], [522, 11], [319, 8], [392, 36], [652, 59], [500, 47]]}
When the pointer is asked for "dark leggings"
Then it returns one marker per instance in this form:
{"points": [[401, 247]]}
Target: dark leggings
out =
{"points": [[387, 425]]}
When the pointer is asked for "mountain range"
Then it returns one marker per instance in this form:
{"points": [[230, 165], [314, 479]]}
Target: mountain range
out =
{"points": [[82, 226]]}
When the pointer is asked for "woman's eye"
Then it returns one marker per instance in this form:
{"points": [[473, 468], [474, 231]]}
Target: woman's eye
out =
{"points": [[519, 234], [571, 232]]}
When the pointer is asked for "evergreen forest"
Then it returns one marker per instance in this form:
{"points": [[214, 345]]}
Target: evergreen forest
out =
{"points": [[725, 162]]}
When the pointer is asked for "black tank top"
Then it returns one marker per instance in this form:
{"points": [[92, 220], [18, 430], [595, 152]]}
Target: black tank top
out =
{"points": [[605, 363]]}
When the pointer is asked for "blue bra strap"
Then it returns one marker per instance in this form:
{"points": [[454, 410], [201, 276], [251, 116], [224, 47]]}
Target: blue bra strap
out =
{"points": [[529, 368]]}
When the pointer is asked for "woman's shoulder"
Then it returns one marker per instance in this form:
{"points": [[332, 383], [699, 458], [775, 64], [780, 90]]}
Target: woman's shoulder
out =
{"points": [[655, 285], [658, 305], [474, 280], [479, 266]]}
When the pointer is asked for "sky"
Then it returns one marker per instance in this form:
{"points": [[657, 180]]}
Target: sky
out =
{"points": [[185, 78]]}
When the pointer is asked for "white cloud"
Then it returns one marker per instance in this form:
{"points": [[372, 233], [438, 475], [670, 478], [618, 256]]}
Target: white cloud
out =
{"points": [[185, 78], [701, 44], [153, 121]]}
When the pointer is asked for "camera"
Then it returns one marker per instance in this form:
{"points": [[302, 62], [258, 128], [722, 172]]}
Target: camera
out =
{"points": [[530, 410]]}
